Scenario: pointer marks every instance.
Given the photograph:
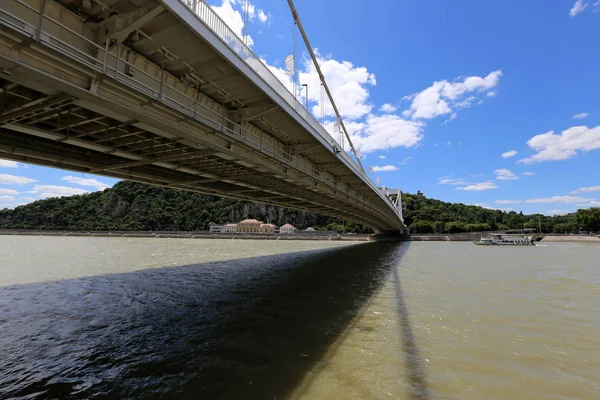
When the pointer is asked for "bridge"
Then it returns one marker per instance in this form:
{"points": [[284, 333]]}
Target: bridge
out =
{"points": [[163, 92]]}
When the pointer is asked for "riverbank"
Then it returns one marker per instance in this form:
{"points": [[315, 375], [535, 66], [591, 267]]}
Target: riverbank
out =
{"points": [[187, 235], [469, 237], [572, 238], [456, 237]]}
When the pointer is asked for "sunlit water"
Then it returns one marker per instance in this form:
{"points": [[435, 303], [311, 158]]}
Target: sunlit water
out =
{"points": [[211, 319]]}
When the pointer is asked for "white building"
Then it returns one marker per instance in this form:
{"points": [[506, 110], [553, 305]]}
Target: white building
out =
{"points": [[230, 228], [287, 228], [214, 228]]}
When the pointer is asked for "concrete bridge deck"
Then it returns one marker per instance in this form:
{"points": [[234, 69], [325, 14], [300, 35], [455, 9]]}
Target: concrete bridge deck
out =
{"points": [[163, 92]]}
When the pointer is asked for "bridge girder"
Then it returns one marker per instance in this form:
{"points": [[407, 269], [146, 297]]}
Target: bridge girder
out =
{"points": [[148, 135]]}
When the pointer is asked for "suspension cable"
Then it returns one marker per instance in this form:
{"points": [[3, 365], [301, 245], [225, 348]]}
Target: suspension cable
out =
{"points": [[322, 78]]}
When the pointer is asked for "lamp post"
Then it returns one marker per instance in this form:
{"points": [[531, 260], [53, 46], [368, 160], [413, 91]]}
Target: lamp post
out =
{"points": [[306, 94]]}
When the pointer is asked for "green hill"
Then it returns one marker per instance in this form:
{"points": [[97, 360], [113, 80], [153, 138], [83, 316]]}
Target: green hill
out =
{"points": [[135, 206]]}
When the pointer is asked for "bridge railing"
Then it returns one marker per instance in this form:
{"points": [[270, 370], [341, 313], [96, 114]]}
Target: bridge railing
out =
{"points": [[211, 19]]}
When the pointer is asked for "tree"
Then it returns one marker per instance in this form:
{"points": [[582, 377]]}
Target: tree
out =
{"points": [[455, 227], [563, 228], [421, 227], [588, 220], [438, 227]]}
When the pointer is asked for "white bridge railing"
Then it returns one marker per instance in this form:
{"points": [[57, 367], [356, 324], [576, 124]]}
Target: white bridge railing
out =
{"points": [[210, 18]]}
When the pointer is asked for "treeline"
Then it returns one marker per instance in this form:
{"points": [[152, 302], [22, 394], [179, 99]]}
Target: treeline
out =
{"points": [[133, 206], [423, 215]]}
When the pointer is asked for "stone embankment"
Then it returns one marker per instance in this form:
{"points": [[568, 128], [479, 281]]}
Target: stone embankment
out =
{"points": [[572, 238], [186, 235], [469, 237]]}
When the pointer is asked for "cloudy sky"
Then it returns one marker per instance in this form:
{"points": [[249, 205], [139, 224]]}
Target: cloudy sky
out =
{"points": [[487, 103]]}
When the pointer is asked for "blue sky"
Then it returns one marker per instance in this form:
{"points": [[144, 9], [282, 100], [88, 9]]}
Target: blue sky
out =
{"points": [[488, 103]]}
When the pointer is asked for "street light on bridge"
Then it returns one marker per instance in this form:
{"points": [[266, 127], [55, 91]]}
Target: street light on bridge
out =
{"points": [[306, 94]]}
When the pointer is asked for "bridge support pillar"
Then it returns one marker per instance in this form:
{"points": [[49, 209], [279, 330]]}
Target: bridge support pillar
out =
{"points": [[391, 236]]}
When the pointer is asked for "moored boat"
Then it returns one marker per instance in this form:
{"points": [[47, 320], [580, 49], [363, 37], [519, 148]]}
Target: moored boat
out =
{"points": [[502, 239]]}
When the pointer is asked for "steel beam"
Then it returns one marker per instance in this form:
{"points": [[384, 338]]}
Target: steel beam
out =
{"points": [[45, 104], [112, 28], [175, 157]]}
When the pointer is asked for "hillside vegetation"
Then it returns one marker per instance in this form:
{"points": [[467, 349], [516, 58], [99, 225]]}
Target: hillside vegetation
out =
{"points": [[132, 206], [135, 206], [435, 216]]}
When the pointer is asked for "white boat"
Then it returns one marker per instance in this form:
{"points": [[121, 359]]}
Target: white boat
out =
{"points": [[502, 239]]}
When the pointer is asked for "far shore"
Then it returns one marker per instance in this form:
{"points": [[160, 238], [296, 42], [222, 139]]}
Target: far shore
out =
{"points": [[186, 235], [456, 237], [572, 238], [471, 236]]}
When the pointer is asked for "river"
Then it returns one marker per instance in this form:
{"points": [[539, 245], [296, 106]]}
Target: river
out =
{"points": [[84, 317]]}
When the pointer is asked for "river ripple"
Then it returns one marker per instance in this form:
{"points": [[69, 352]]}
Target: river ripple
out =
{"points": [[179, 318]]}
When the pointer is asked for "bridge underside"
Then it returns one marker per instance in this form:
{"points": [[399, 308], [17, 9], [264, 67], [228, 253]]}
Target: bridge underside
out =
{"points": [[143, 112]]}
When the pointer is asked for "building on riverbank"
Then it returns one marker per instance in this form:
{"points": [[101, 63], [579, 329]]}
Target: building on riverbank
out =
{"points": [[267, 228], [216, 228], [287, 229], [249, 226], [230, 228]]}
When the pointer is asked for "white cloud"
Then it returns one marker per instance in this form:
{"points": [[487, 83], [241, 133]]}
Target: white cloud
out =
{"points": [[529, 173], [466, 103], [491, 94], [7, 179], [384, 168], [86, 182], [44, 191], [581, 115], [369, 130], [348, 85], [505, 175], [507, 201], [8, 164], [388, 108], [578, 7], [552, 147], [443, 96], [447, 180], [383, 157], [557, 212], [381, 132], [593, 203], [510, 153], [262, 17], [587, 189], [405, 160], [484, 205], [8, 191], [26, 200], [559, 199], [6, 199], [488, 185], [280, 74]]}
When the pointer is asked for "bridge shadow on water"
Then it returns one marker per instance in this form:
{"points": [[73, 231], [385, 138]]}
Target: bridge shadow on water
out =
{"points": [[417, 380], [241, 329]]}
